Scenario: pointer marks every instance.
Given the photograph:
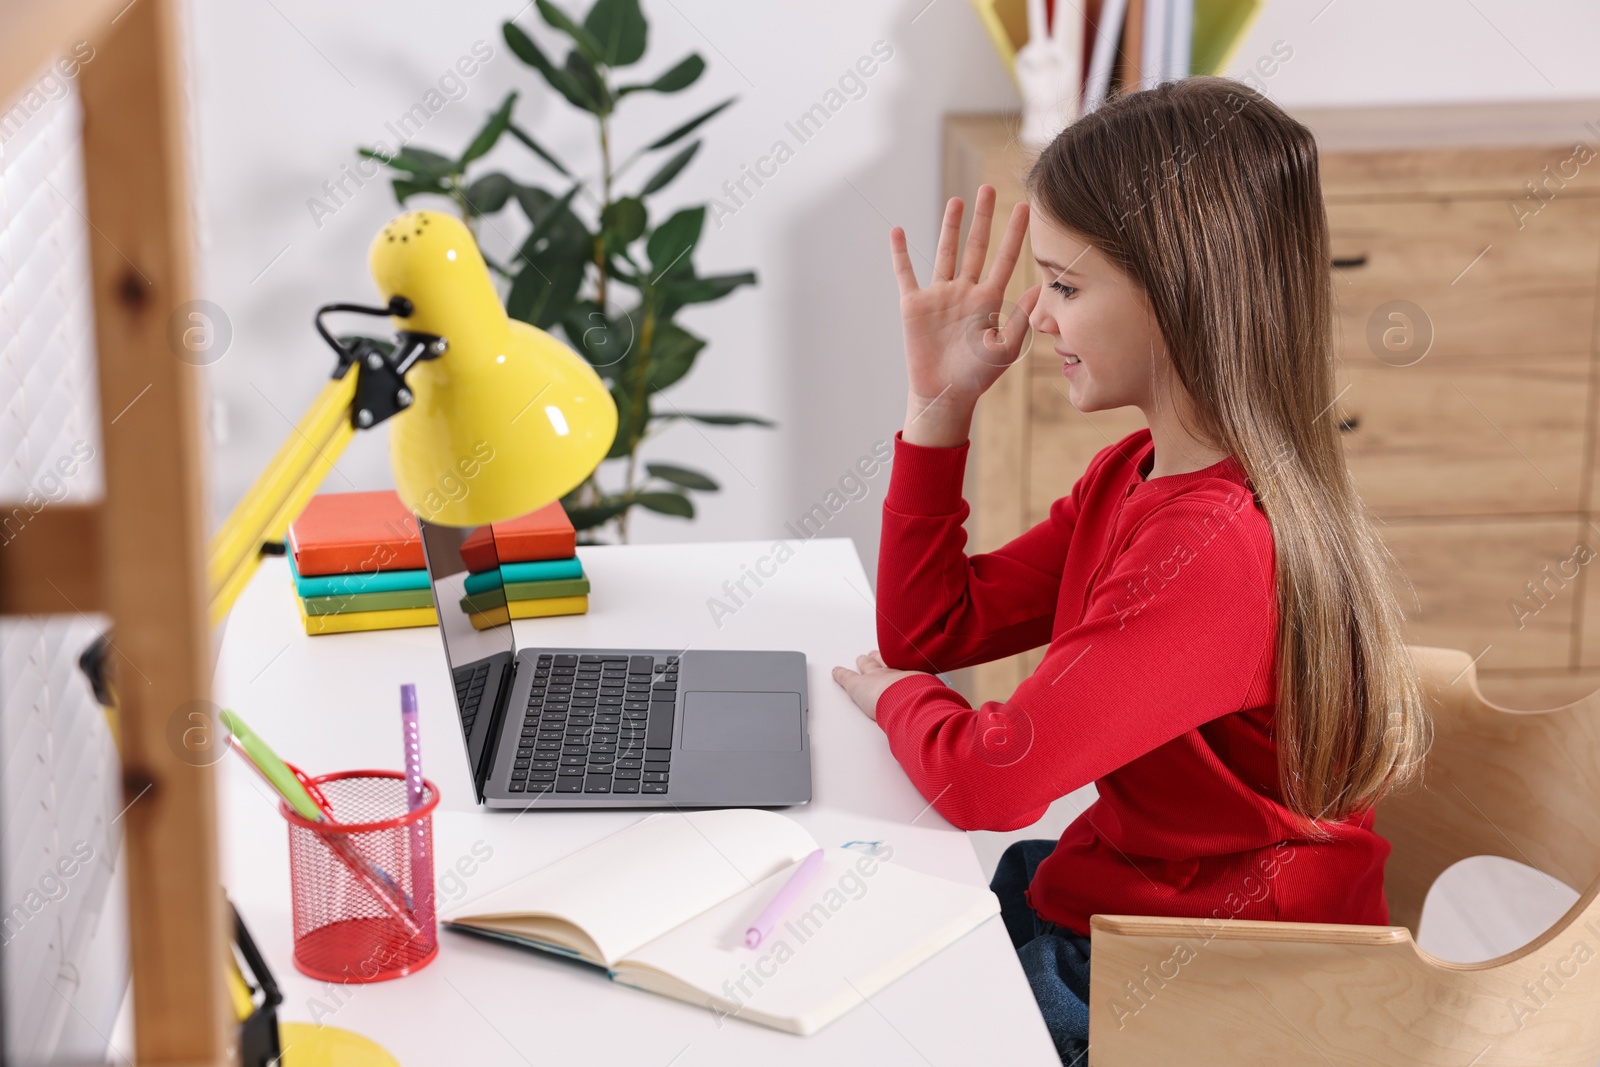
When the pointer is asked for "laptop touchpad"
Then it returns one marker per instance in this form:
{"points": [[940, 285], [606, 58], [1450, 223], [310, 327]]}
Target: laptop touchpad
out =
{"points": [[742, 722]]}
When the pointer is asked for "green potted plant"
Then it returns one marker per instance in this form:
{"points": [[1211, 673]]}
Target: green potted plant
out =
{"points": [[595, 265]]}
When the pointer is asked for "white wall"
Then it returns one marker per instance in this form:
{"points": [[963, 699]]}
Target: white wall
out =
{"points": [[283, 101], [286, 90]]}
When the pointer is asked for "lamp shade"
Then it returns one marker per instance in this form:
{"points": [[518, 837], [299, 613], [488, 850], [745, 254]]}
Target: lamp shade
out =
{"points": [[507, 418]]}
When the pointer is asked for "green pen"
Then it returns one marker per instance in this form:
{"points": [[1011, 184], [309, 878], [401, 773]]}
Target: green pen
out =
{"points": [[277, 772], [281, 778]]}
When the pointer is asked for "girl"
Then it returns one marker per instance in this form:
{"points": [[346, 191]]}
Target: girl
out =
{"points": [[1224, 655]]}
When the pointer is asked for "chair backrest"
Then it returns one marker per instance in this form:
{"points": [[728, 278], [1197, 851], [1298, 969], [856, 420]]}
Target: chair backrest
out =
{"points": [[1497, 782]]}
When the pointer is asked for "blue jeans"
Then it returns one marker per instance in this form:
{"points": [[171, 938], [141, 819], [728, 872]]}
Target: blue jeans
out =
{"points": [[1055, 959]]}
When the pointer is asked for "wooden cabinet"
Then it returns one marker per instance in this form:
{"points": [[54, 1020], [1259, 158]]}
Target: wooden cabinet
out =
{"points": [[1466, 244]]}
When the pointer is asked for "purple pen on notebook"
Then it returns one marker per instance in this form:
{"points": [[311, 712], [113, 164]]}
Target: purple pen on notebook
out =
{"points": [[783, 900], [416, 795]]}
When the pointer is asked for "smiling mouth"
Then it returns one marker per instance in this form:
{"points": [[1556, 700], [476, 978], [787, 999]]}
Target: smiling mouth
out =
{"points": [[1072, 360]]}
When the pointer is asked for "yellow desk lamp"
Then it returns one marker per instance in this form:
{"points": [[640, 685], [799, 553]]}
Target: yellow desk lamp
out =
{"points": [[498, 418]]}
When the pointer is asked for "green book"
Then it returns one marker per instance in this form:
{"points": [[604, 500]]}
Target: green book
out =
{"points": [[490, 599], [541, 590], [384, 601], [484, 602]]}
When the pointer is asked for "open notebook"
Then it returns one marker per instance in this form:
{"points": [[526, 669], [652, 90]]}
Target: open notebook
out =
{"points": [[663, 905]]}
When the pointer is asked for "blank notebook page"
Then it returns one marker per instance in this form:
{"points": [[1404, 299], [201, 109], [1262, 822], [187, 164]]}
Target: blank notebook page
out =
{"points": [[849, 935], [628, 888]]}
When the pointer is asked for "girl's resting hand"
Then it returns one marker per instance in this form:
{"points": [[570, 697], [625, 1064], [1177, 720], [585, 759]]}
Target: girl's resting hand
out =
{"points": [[957, 343], [867, 682]]}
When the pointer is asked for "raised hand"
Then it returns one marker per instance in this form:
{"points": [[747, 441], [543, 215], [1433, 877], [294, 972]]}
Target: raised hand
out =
{"points": [[957, 342]]}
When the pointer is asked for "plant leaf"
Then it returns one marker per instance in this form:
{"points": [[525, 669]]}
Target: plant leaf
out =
{"points": [[685, 74], [669, 246], [623, 222], [669, 170], [543, 209], [541, 292], [672, 353], [489, 193], [683, 476], [597, 515], [606, 342], [417, 161], [717, 420], [688, 127], [552, 262], [522, 135], [405, 189], [559, 19], [666, 503], [705, 290], [619, 27], [584, 75], [623, 443], [492, 129], [523, 48]]}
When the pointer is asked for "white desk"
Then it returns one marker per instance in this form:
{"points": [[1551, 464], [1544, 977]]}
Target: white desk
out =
{"points": [[331, 703]]}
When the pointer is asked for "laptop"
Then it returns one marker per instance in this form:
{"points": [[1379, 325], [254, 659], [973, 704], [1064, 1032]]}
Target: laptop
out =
{"points": [[560, 727]]}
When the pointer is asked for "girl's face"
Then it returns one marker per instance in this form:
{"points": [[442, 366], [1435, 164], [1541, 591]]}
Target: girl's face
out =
{"points": [[1100, 322]]}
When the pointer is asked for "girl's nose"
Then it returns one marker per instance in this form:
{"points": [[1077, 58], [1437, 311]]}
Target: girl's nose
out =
{"points": [[1040, 320]]}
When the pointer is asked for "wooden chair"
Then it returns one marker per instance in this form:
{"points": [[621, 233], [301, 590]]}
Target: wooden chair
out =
{"points": [[1523, 785]]}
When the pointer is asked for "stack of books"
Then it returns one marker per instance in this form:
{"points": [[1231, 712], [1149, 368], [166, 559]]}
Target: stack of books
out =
{"points": [[357, 564], [524, 569]]}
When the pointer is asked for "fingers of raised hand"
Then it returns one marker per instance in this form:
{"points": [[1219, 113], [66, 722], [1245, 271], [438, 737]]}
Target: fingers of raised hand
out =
{"points": [[905, 275], [978, 234], [1005, 257], [944, 257]]}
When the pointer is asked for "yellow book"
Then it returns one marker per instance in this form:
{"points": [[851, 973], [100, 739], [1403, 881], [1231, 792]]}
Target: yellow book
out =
{"points": [[356, 621], [554, 605], [530, 609]]}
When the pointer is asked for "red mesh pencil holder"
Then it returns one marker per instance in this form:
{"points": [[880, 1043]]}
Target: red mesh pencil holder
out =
{"points": [[363, 892]]}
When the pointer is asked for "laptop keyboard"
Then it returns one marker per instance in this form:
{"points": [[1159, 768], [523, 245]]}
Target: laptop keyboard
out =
{"points": [[598, 724], [469, 693]]}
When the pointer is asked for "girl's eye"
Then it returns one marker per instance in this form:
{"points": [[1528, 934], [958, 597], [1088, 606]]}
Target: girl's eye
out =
{"points": [[1064, 290]]}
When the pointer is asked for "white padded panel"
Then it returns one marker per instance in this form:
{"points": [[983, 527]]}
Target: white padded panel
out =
{"points": [[64, 957]]}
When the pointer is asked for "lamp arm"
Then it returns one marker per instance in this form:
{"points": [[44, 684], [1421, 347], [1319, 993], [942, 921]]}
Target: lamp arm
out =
{"points": [[377, 391], [280, 492]]}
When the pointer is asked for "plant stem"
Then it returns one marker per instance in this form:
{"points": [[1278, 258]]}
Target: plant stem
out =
{"points": [[600, 286], [638, 398], [458, 193], [605, 205]]}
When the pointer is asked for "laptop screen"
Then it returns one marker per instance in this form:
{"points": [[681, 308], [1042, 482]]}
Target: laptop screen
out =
{"points": [[475, 625], [464, 571]]}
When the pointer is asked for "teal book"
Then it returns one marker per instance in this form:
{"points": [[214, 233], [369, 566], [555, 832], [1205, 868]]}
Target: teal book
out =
{"points": [[541, 570], [347, 584]]}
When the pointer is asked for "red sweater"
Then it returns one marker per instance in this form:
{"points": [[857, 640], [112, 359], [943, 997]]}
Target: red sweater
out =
{"points": [[1156, 599]]}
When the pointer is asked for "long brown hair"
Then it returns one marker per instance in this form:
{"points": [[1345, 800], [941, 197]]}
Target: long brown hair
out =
{"points": [[1207, 195]]}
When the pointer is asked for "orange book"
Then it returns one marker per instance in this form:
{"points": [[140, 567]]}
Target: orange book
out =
{"points": [[543, 534], [355, 533]]}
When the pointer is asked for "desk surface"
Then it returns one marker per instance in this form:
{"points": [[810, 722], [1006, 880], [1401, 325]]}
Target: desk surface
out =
{"points": [[331, 703]]}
